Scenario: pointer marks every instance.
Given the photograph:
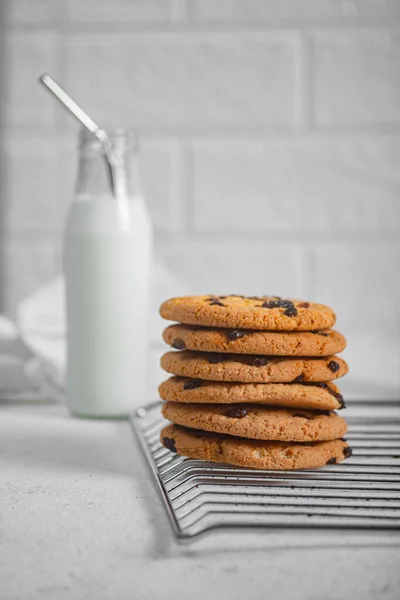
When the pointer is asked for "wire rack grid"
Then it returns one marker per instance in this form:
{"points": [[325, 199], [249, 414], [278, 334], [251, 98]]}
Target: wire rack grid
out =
{"points": [[199, 496]]}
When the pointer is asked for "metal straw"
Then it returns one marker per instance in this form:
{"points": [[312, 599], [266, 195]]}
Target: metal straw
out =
{"points": [[116, 166]]}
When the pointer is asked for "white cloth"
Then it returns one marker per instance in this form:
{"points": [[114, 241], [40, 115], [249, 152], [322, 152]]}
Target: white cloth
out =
{"points": [[33, 351]]}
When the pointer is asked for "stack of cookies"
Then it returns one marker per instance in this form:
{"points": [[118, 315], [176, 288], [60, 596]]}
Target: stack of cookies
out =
{"points": [[252, 382]]}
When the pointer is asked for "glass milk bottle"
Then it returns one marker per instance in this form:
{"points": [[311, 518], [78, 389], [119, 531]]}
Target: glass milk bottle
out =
{"points": [[107, 253]]}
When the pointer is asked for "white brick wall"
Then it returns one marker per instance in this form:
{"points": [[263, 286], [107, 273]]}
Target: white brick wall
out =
{"points": [[270, 147], [28, 53], [360, 279], [242, 11], [357, 77], [228, 267], [31, 183], [140, 11], [185, 81], [333, 185]]}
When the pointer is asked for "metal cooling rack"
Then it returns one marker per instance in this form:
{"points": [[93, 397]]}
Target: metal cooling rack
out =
{"points": [[361, 493]]}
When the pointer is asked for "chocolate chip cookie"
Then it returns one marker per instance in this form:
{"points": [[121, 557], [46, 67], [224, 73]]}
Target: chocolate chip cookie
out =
{"points": [[314, 396], [253, 368], [256, 454], [249, 312], [245, 341], [258, 422]]}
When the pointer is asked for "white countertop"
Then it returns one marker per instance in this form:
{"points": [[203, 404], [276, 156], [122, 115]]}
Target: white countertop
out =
{"points": [[80, 519]]}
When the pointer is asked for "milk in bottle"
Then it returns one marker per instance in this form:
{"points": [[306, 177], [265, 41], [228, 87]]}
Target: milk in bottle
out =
{"points": [[107, 253]]}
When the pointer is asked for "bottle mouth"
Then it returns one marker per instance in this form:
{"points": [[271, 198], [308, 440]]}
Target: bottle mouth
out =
{"points": [[124, 140]]}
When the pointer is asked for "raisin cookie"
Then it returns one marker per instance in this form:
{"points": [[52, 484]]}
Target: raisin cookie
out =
{"points": [[314, 396], [244, 341], [258, 422], [255, 312], [251, 368], [256, 454]]}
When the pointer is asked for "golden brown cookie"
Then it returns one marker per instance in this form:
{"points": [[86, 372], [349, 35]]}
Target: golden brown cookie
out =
{"points": [[256, 312], [258, 422], [244, 341], [314, 396], [252, 369], [253, 453]]}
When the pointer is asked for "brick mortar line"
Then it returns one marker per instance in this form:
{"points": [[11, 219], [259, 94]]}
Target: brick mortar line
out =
{"points": [[203, 28], [299, 236], [377, 130], [248, 238]]}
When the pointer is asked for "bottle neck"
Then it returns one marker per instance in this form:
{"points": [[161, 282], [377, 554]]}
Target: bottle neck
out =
{"points": [[94, 177]]}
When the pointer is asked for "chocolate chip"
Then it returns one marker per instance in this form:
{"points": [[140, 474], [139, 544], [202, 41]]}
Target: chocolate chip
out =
{"points": [[278, 304], [235, 334], [303, 416], [269, 305], [259, 361], [347, 452], [304, 305], [236, 412], [285, 303], [333, 366], [215, 358], [331, 461], [191, 384], [178, 344], [216, 302], [290, 309], [324, 412], [222, 297], [170, 444], [298, 379], [339, 398]]}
